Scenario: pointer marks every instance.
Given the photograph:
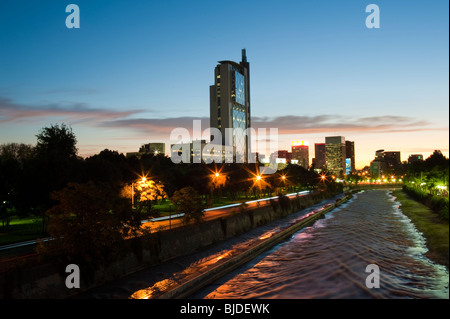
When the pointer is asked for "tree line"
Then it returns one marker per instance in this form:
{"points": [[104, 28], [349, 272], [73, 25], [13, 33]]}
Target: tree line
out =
{"points": [[427, 181], [30, 174]]}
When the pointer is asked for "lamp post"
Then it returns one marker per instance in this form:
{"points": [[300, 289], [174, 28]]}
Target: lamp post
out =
{"points": [[142, 180], [215, 182], [258, 179], [283, 182], [132, 195]]}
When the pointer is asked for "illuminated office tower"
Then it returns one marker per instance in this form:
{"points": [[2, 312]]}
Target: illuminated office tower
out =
{"points": [[230, 105], [319, 157], [350, 154], [335, 155], [300, 153]]}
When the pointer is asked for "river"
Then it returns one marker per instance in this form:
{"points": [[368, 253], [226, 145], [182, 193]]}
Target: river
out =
{"points": [[328, 260]]}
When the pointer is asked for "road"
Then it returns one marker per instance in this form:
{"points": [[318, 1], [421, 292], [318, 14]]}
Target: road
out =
{"points": [[215, 212]]}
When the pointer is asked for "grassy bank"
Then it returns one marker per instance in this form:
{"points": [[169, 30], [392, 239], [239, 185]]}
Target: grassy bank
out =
{"points": [[21, 230], [432, 226]]}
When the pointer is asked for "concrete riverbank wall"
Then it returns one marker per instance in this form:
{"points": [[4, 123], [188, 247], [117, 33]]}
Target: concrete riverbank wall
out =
{"points": [[48, 280], [191, 285]]}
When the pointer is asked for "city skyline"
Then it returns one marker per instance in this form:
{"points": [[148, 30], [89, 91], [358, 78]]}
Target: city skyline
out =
{"points": [[131, 74]]}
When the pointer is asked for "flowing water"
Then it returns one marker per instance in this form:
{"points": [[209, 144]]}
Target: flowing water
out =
{"points": [[329, 259], [326, 260]]}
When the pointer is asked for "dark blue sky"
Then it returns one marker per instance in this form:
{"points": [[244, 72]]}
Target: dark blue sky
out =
{"points": [[136, 69]]}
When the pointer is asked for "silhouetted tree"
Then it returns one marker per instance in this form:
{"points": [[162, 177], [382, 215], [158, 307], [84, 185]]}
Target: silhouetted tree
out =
{"points": [[56, 142], [54, 165], [188, 202], [88, 219]]}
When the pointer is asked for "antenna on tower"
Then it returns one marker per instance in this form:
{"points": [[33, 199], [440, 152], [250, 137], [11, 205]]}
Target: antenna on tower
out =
{"points": [[244, 56]]}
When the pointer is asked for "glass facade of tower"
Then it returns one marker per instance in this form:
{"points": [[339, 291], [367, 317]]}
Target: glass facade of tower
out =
{"points": [[239, 138], [239, 88], [335, 155], [230, 106]]}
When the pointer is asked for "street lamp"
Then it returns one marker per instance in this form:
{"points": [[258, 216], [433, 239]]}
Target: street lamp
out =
{"points": [[142, 180]]}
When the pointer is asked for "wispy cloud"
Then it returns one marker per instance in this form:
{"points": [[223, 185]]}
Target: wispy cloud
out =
{"points": [[287, 124], [338, 123], [11, 111], [159, 126]]}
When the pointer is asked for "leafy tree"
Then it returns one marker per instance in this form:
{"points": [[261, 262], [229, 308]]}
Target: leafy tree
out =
{"points": [[88, 219], [150, 190], [17, 151], [107, 166], [188, 202], [57, 141], [436, 160], [55, 165]]}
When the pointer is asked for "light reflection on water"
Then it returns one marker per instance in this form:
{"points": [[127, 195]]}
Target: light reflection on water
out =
{"points": [[328, 260]]}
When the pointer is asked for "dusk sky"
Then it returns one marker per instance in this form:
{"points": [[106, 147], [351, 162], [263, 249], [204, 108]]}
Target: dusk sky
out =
{"points": [[135, 70]]}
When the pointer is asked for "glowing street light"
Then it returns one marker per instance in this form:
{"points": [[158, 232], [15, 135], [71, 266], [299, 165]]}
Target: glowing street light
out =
{"points": [[142, 181]]}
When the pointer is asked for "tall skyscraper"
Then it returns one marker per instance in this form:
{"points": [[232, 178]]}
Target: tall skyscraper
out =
{"points": [[350, 153], [335, 155], [300, 152], [319, 157], [230, 105]]}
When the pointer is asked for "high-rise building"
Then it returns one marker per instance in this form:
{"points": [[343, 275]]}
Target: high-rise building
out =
{"points": [[319, 157], [230, 105], [415, 158], [350, 154], [154, 148], [300, 153], [149, 148], [392, 160], [335, 155], [285, 154], [385, 163]]}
